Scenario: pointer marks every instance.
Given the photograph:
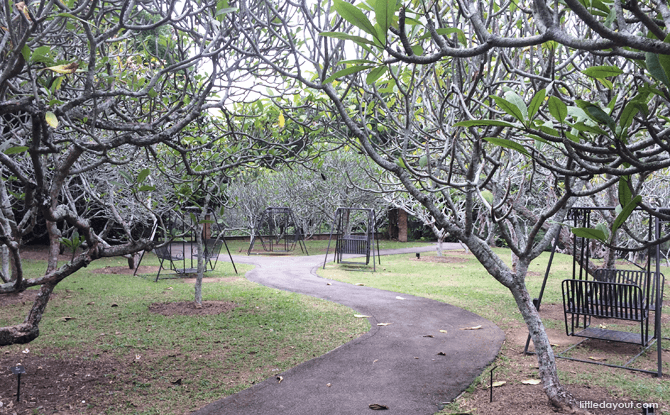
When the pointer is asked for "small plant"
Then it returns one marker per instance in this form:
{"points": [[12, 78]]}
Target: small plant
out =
{"points": [[74, 242]]}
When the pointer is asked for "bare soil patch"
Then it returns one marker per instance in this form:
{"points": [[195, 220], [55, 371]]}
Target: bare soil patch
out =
{"points": [[143, 269], [514, 367], [188, 308], [26, 297]]}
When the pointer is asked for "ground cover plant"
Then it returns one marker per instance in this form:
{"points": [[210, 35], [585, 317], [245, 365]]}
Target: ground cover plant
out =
{"points": [[113, 343], [458, 279]]}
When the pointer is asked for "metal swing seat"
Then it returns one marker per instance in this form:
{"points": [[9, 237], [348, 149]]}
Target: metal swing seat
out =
{"points": [[278, 232], [346, 221], [181, 255], [604, 293]]}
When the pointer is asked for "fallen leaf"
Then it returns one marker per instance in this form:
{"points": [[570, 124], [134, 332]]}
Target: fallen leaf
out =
{"points": [[531, 381], [378, 407], [279, 379], [441, 354], [114, 305], [602, 326], [176, 382], [498, 383], [137, 357], [39, 368], [399, 298], [472, 328], [375, 361], [383, 324], [102, 334], [67, 318], [597, 359], [443, 331], [329, 385], [25, 351], [328, 283], [360, 284], [117, 332], [361, 316], [169, 288], [90, 303], [428, 335]]}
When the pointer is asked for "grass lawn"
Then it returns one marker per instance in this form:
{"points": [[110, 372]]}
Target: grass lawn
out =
{"points": [[314, 247], [460, 280], [101, 349]]}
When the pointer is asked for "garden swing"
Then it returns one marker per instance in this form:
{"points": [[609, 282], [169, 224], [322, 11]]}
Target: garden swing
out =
{"points": [[355, 235], [622, 294], [179, 251], [278, 232]]}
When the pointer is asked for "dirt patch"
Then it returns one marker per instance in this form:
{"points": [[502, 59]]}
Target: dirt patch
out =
{"points": [[514, 367], [143, 269], [188, 308], [40, 253], [26, 297]]}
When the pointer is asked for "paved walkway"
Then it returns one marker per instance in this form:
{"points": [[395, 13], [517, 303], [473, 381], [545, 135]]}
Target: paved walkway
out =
{"points": [[394, 365]]}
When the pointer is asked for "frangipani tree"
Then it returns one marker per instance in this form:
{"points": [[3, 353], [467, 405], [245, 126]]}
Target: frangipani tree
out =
{"points": [[530, 101]]}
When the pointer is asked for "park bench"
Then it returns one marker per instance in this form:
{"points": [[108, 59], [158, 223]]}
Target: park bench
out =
{"points": [[613, 293]]}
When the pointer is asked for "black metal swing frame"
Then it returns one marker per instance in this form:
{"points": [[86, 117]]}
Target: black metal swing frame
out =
{"points": [[274, 232], [348, 243], [182, 255], [611, 293]]}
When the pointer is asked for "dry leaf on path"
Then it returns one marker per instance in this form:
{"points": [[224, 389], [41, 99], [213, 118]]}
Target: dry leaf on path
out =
{"points": [[443, 331], [361, 316], [280, 378], [383, 324], [360, 284], [428, 335], [441, 354], [378, 407], [597, 359], [399, 298], [328, 283], [498, 383], [531, 381], [472, 328]]}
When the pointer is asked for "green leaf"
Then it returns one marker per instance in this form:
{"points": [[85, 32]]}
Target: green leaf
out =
{"points": [[664, 60], [628, 115], [346, 71], [557, 109], [147, 188], [625, 212], [15, 150], [143, 175], [25, 52], [589, 233], [625, 193], [507, 144], [225, 10], [384, 11], [655, 69], [600, 116], [515, 99], [375, 74], [508, 107], [346, 36], [602, 71], [355, 16], [479, 123], [580, 126], [417, 50], [488, 196], [536, 102]]}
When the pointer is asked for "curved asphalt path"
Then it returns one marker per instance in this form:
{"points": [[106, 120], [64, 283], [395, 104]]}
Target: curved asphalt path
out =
{"points": [[394, 365]]}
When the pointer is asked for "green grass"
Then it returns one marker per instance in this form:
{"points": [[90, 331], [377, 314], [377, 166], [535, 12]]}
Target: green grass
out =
{"points": [[269, 331], [467, 285]]}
